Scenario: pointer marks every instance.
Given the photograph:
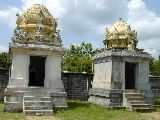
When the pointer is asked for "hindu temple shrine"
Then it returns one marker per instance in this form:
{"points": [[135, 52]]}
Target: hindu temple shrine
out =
{"points": [[35, 86], [121, 71]]}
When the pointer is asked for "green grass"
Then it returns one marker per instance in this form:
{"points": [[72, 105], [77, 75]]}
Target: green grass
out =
{"points": [[10, 116], [80, 110], [84, 111], [158, 110]]}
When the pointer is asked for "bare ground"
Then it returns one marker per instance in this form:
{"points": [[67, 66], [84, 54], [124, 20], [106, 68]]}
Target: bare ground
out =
{"points": [[152, 115], [148, 116], [41, 118]]}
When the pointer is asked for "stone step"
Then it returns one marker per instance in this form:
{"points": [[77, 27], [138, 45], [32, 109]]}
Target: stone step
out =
{"points": [[17, 93], [36, 98], [27, 89], [135, 99], [130, 91], [36, 103], [140, 105], [38, 112], [38, 107], [133, 94], [38, 94], [138, 102], [26, 93], [149, 109]]}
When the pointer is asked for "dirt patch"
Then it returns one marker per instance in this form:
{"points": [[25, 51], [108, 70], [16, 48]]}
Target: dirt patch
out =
{"points": [[41, 118], [152, 116]]}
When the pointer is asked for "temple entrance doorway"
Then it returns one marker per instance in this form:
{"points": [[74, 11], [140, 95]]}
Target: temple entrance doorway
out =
{"points": [[36, 71], [130, 75]]}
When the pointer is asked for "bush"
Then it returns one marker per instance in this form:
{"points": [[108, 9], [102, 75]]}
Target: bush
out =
{"points": [[157, 101]]}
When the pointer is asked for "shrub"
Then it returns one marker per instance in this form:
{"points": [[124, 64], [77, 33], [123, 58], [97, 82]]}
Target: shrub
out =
{"points": [[157, 101]]}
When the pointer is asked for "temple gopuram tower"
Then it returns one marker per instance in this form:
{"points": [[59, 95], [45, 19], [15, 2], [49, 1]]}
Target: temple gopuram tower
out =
{"points": [[121, 69], [35, 86]]}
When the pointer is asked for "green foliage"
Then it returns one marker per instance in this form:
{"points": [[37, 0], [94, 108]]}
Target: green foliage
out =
{"points": [[78, 58], [77, 63], [5, 60], [157, 101], [154, 66]]}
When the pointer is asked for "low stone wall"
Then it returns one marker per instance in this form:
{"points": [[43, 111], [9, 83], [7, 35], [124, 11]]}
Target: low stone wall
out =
{"points": [[4, 76], [77, 85], [155, 86]]}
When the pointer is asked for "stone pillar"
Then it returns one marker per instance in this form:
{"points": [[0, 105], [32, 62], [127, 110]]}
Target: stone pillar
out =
{"points": [[53, 73], [143, 84], [118, 75], [53, 81], [102, 75], [19, 71]]}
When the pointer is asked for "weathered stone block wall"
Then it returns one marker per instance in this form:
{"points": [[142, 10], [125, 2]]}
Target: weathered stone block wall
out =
{"points": [[77, 85], [155, 86], [4, 76]]}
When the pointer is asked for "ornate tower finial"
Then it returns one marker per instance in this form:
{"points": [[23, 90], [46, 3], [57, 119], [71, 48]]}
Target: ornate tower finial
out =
{"points": [[38, 25], [120, 19], [17, 14], [120, 36]]}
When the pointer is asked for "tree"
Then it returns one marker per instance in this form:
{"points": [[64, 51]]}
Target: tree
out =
{"points": [[78, 58], [154, 66], [5, 60]]}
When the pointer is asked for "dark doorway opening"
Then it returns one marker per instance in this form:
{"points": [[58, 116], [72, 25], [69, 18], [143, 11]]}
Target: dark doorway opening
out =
{"points": [[36, 71], [130, 69]]}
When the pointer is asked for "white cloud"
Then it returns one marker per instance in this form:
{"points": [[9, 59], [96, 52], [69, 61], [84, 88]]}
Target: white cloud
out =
{"points": [[8, 16], [3, 48], [54, 6], [147, 24], [81, 20], [82, 17]]}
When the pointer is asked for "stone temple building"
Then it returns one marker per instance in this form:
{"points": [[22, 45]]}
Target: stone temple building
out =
{"points": [[121, 71], [35, 86]]}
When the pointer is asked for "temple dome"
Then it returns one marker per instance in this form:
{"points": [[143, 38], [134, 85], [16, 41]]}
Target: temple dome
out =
{"points": [[120, 36], [120, 27], [37, 24], [36, 14]]}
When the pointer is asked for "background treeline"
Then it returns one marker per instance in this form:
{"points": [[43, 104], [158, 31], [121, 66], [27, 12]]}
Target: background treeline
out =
{"points": [[78, 58], [154, 66], [5, 60]]}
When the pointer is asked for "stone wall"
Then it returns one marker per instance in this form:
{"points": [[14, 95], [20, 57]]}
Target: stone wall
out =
{"points": [[77, 85], [4, 74], [155, 86]]}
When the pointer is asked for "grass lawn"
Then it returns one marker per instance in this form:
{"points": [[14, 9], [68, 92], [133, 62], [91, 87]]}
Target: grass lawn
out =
{"points": [[84, 111], [10, 116], [78, 110]]}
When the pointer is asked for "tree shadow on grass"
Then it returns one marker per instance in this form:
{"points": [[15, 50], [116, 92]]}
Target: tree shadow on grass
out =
{"points": [[77, 104]]}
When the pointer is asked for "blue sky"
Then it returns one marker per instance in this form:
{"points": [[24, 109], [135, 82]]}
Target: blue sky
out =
{"points": [[81, 20]]}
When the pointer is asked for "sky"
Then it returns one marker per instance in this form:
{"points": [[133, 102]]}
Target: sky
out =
{"points": [[86, 20]]}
